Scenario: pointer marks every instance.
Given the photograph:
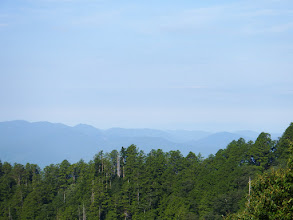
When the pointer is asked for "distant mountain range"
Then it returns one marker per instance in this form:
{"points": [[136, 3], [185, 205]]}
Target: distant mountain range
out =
{"points": [[44, 143]]}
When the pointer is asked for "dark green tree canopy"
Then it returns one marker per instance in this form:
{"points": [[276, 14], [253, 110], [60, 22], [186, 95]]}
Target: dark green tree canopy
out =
{"points": [[129, 184]]}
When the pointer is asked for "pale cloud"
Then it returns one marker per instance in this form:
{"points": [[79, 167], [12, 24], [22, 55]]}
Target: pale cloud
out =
{"points": [[230, 18], [181, 21], [191, 19], [189, 87], [280, 28], [97, 19], [264, 12], [259, 12], [4, 18], [54, 1]]}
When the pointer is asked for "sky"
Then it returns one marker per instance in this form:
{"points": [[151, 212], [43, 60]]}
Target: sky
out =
{"points": [[217, 65]]}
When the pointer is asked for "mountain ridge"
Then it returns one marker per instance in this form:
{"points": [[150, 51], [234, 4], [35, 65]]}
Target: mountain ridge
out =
{"points": [[45, 142]]}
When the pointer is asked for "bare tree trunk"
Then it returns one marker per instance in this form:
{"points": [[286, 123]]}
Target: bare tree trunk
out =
{"points": [[93, 196], [102, 163], [106, 181], [64, 196], [249, 189], [249, 182], [83, 213], [93, 192], [9, 214], [123, 172], [118, 166]]}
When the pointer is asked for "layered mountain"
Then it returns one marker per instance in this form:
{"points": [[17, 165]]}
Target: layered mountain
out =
{"points": [[44, 143]]}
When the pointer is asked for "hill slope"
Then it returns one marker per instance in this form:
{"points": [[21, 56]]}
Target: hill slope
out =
{"points": [[45, 143]]}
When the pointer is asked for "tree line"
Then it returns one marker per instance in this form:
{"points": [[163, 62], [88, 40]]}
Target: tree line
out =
{"points": [[129, 184]]}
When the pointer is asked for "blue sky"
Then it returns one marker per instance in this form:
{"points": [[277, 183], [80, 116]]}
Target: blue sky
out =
{"points": [[196, 65]]}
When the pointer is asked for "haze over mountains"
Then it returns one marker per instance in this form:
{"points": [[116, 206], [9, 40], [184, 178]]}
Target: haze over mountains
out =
{"points": [[44, 143]]}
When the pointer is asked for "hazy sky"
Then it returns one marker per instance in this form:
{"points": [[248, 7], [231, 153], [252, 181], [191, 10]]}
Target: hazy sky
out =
{"points": [[207, 65]]}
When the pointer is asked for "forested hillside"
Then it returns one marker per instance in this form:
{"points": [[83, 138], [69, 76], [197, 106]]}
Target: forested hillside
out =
{"points": [[130, 184]]}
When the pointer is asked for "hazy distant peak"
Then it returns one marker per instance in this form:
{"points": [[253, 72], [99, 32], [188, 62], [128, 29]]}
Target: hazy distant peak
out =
{"points": [[26, 123], [46, 123], [46, 142], [15, 122], [84, 126]]}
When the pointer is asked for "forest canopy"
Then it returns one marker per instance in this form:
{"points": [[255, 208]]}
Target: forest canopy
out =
{"points": [[130, 184]]}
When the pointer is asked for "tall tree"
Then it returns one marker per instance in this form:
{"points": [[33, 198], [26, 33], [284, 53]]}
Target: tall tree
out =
{"points": [[261, 153]]}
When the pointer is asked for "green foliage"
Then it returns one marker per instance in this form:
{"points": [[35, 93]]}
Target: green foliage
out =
{"points": [[160, 185], [282, 147], [261, 153], [272, 195]]}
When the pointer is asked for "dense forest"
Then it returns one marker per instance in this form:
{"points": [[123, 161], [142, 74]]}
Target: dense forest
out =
{"points": [[159, 185]]}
